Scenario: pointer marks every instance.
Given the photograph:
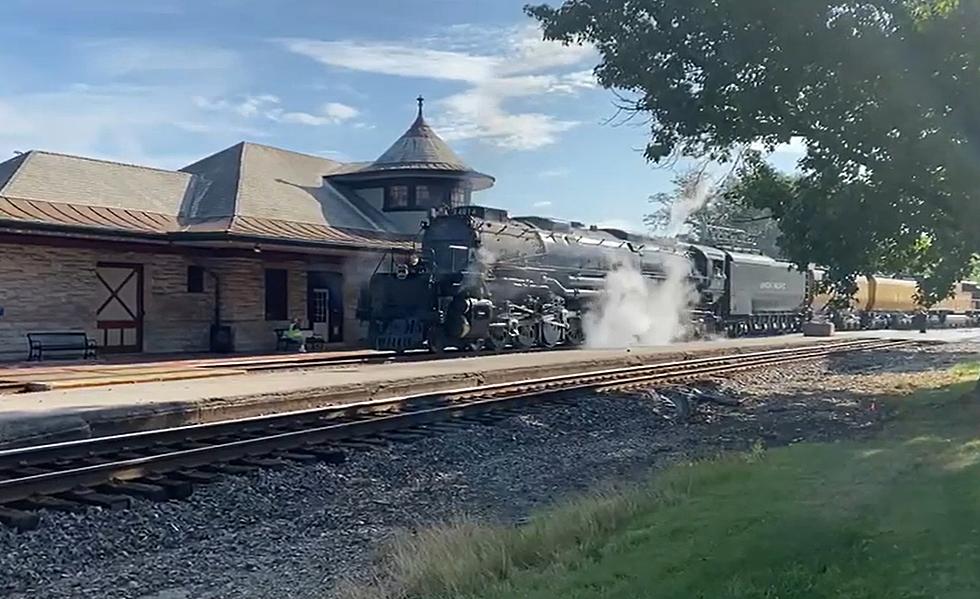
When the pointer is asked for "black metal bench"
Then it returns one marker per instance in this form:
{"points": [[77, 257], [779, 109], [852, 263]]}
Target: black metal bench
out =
{"points": [[60, 342], [284, 342]]}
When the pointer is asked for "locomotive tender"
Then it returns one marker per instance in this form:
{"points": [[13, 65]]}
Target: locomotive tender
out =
{"points": [[484, 279]]}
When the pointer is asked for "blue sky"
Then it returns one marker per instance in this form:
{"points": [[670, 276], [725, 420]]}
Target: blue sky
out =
{"points": [[166, 82]]}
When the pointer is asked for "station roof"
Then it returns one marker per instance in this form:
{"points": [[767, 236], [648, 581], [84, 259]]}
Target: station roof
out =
{"points": [[247, 190]]}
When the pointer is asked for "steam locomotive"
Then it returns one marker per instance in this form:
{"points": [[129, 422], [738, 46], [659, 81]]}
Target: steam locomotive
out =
{"points": [[486, 280]]}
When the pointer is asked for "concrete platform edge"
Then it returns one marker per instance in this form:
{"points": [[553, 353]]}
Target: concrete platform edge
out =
{"points": [[95, 421]]}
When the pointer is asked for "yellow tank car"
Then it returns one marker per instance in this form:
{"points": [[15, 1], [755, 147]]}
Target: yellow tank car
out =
{"points": [[960, 302], [885, 295], [876, 294]]}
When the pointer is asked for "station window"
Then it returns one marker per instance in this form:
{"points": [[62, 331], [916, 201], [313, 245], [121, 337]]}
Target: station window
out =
{"points": [[276, 294], [195, 279], [396, 197], [422, 196], [457, 197]]}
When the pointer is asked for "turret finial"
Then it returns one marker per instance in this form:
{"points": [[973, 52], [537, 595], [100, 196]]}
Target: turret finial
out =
{"points": [[420, 100]]}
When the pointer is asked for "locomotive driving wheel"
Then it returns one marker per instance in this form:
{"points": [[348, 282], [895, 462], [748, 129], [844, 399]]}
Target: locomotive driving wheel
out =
{"points": [[497, 340], [575, 334], [527, 335], [551, 333]]}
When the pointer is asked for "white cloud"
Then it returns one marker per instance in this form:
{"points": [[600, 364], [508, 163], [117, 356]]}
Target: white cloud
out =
{"points": [[341, 112], [552, 173], [124, 123], [135, 103], [267, 106], [496, 66], [542, 204], [479, 113], [395, 59], [126, 56]]}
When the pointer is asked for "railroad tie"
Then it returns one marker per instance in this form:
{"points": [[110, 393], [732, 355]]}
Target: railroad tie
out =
{"points": [[85, 496], [137, 489], [177, 489], [194, 476], [225, 468], [401, 437], [443, 428], [45, 502], [366, 442], [327, 454], [19, 519], [296, 456], [260, 462]]}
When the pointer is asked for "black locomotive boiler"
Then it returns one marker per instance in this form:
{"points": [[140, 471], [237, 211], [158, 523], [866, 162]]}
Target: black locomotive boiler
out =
{"points": [[484, 279]]}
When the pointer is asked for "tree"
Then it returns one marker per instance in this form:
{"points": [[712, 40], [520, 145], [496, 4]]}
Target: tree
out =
{"points": [[882, 91], [699, 206]]}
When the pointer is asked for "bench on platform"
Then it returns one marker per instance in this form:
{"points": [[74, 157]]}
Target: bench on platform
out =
{"points": [[313, 341], [59, 342]]}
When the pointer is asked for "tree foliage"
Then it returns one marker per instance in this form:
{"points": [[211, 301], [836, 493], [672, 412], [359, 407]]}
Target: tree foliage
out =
{"points": [[883, 91], [698, 206]]}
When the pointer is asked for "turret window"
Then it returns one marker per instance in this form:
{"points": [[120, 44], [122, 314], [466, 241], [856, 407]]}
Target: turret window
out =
{"points": [[457, 197], [396, 197], [426, 194], [422, 195]]}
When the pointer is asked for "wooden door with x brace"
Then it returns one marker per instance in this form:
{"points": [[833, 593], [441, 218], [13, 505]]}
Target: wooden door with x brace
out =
{"points": [[119, 316]]}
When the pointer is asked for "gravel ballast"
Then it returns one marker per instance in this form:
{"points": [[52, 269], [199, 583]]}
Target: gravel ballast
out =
{"points": [[293, 531]]}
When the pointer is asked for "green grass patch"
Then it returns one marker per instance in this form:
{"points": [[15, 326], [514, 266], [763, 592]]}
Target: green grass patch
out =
{"points": [[897, 516]]}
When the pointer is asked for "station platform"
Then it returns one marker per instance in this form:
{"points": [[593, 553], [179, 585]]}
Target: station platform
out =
{"points": [[136, 368], [81, 412]]}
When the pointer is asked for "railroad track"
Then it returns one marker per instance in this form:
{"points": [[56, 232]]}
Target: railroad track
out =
{"points": [[300, 361], [165, 464]]}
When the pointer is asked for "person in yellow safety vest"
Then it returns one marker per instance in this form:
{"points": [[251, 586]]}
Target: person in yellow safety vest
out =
{"points": [[296, 335]]}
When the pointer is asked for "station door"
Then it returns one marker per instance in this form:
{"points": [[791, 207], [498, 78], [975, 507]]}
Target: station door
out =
{"points": [[119, 315]]}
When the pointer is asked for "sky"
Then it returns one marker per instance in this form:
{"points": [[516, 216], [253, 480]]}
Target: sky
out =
{"points": [[166, 82]]}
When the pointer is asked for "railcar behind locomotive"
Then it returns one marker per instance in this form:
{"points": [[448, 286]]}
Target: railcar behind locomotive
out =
{"points": [[887, 302], [483, 278]]}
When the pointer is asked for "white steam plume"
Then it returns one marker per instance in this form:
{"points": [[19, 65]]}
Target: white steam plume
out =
{"points": [[486, 257], [634, 310]]}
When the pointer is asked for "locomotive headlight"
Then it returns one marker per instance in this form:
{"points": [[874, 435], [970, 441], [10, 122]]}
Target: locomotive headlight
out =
{"points": [[413, 260]]}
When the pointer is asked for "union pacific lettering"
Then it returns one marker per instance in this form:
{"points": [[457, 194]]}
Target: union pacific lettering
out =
{"points": [[773, 285]]}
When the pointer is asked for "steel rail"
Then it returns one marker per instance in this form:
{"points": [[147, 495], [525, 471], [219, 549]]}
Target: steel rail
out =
{"points": [[371, 357], [458, 403], [27, 456]]}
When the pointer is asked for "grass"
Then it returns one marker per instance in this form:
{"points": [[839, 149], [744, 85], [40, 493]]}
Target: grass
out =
{"points": [[895, 517]]}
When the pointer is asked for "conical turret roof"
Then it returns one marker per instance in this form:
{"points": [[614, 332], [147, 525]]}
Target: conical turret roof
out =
{"points": [[421, 149]]}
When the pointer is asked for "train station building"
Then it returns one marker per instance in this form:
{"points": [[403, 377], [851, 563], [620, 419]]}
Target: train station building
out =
{"points": [[216, 255]]}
